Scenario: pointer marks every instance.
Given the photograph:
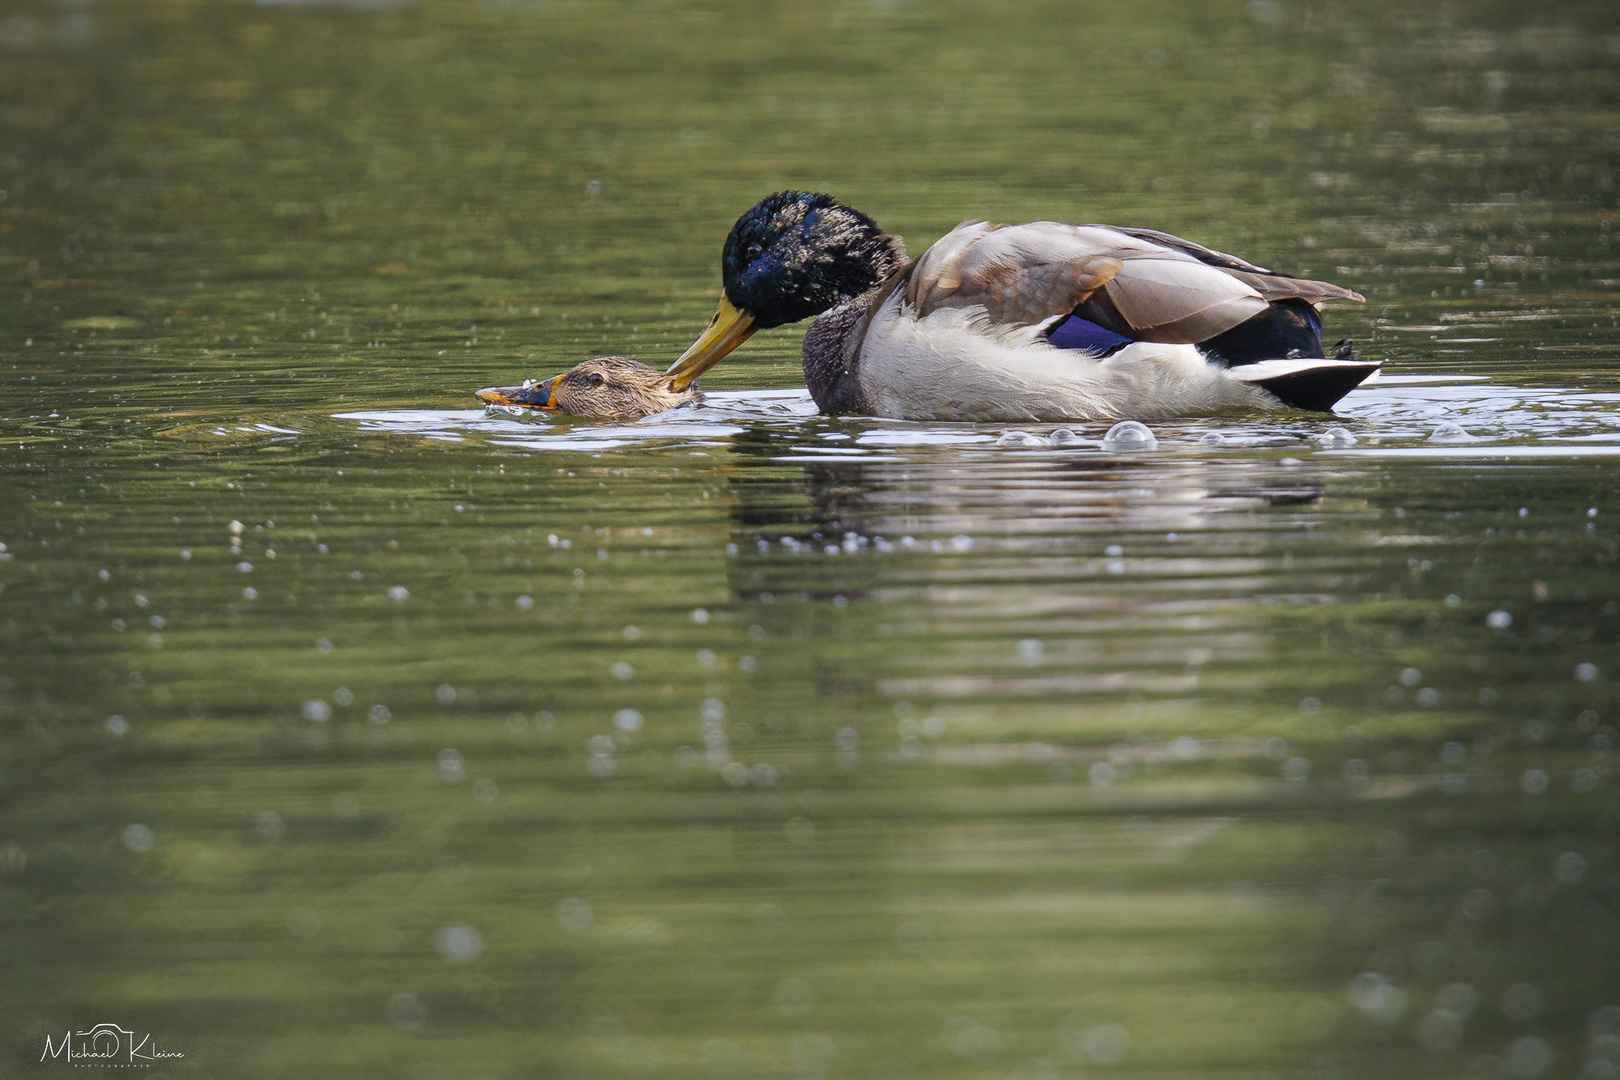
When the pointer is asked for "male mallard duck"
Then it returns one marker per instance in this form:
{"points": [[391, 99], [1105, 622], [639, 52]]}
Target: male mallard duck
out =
{"points": [[1042, 321], [606, 388]]}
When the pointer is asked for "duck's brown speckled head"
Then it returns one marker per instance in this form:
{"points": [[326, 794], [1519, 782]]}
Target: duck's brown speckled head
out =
{"points": [[606, 388]]}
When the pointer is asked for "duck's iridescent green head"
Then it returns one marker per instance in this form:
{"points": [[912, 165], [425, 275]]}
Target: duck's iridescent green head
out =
{"points": [[793, 255], [796, 254]]}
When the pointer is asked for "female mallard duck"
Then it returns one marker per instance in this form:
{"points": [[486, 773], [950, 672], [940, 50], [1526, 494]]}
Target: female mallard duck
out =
{"points": [[606, 388], [1042, 321]]}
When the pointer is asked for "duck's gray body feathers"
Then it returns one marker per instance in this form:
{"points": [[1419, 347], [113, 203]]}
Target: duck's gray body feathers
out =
{"points": [[960, 333]]}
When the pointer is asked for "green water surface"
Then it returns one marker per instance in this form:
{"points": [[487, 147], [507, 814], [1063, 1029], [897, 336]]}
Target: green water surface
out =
{"points": [[429, 745]]}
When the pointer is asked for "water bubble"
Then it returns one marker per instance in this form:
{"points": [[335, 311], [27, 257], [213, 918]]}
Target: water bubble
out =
{"points": [[700, 616], [250, 593], [1479, 904], [1499, 620], [602, 766], [1570, 867], [1411, 676], [1428, 697], [1529, 1056], [574, 914], [1378, 997], [609, 1032], [1586, 672], [524, 602], [304, 922], [794, 997], [1336, 438], [1102, 774], [1534, 781], [734, 773], [1105, 1044], [399, 594], [1604, 1023], [1030, 650], [1522, 1002], [117, 725], [268, 825], [1447, 432], [1130, 435], [705, 657], [719, 1058], [912, 935], [318, 712], [1310, 705], [245, 567], [1213, 440], [379, 714], [1440, 1030], [959, 543], [406, 1012], [972, 1040], [1063, 436], [627, 720], [1456, 997], [622, 671], [446, 694], [138, 838], [1020, 438], [451, 767], [811, 1055], [343, 696], [458, 942]]}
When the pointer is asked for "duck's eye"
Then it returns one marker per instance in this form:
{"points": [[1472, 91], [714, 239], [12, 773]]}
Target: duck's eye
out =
{"points": [[754, 251], [596, 378]]}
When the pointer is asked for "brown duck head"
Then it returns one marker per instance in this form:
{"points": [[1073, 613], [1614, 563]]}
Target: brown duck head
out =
{"points": [[606, 388]]}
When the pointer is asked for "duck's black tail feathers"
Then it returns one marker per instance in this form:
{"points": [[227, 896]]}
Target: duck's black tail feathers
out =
{"points": [[1307, 383]]}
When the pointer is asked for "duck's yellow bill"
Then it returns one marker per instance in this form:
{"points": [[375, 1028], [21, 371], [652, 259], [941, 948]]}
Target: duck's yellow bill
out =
{"points": [[729, 329]]}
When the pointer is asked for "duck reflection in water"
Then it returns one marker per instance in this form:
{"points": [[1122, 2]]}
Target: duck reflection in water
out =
{"points": [[1055, 503], [605, 388]]}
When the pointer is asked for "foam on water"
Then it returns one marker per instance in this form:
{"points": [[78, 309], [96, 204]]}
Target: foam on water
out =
{"points": [[1424, 416]]}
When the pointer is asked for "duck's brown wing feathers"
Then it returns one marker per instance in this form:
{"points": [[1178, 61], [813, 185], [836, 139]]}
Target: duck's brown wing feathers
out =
{"points": [[1149, 285]]}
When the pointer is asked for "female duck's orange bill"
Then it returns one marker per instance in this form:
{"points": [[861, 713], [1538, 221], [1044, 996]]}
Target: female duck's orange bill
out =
{"points": [[533, 394]]}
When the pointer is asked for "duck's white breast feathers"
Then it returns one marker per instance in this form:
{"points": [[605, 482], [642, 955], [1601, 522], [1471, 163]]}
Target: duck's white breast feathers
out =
{"points": [[957, 363]]}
